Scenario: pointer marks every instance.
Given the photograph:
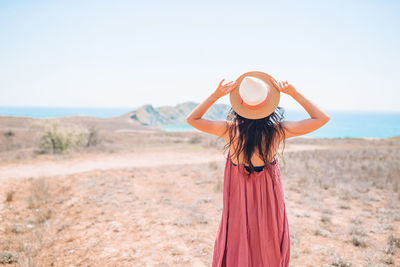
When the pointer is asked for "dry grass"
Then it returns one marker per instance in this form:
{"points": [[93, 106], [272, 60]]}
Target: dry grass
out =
{"points": [[26, 235], [360, 184], [342, 206], [10, 195]]}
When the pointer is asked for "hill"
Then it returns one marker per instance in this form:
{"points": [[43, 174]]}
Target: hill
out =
{"points": [[147, 115]]}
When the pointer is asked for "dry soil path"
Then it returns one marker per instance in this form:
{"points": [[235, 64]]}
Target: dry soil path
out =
{"points": [[180, 156]]}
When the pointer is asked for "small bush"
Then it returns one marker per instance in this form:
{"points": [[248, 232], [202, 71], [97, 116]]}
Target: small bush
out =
{"points": [[39, 193], [391, 245], [7, 257], [10, 195], [358, 241], [358, 234], [337, 260], [53, 138], [9, 133], [195, 139], [325, 218], [93, 136]]}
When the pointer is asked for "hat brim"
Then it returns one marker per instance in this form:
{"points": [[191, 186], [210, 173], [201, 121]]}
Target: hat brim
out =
{"points": [[265, 110]]}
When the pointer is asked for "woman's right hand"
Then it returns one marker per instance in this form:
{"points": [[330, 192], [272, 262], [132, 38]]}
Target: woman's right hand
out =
{"points": [[284, 87]]}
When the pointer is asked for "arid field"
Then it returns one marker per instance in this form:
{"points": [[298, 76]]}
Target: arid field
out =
{"points": [[107, 192]]}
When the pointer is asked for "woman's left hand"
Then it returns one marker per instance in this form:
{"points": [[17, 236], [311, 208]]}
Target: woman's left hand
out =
{"points": [[224, 89]]}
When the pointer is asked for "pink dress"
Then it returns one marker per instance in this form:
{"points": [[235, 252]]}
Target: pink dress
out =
{"points": [[254, 230]]}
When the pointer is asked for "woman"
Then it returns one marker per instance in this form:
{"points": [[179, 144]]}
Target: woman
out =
{"points": [[254, 230]]}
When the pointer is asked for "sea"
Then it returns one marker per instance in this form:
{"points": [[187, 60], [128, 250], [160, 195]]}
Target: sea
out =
{"points": [[343, 124]]}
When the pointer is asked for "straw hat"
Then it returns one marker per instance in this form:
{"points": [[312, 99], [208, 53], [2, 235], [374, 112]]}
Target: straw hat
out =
{"points": [[254, 97]]}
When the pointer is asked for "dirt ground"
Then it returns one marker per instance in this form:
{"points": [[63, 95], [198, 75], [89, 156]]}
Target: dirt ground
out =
{"points": [[126, 204]]}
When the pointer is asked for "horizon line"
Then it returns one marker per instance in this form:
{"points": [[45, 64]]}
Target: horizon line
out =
{"points": [[136, 107]]}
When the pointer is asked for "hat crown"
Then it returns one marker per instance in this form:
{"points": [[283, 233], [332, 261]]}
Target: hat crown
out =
{"points": [[253, 91]]}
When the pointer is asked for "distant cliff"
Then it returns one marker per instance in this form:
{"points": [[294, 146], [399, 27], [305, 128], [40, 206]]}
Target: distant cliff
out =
{"points": [[147, 115]]}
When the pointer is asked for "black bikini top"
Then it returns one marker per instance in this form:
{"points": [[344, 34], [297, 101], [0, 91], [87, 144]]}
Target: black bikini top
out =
{"points": [[258, 167]]}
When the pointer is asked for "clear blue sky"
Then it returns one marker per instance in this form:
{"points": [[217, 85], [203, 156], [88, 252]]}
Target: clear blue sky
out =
{"points": [[339, 54]]}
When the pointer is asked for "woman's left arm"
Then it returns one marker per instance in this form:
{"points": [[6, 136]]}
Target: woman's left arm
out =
{"points": [[217, 128]]}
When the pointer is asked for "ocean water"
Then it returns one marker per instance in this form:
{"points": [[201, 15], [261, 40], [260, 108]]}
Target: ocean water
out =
{"points": [[54, 112], [343, 124]]}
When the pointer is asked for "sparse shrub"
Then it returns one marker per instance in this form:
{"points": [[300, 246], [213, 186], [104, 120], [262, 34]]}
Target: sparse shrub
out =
{"points": [[358, 234], [337, 260], [10, 195], [322, 232], [392, 244], [387, 260], [182, 222], [9, 133], [358, 241], [9, 143], [195, 139], [93, 136], [327, 211], [7, 257], [325, 218], [17, 228], [357, 230], [43, 215], [39, 193], [355, 221], [198, 218], [54, 138], [344, 206]]}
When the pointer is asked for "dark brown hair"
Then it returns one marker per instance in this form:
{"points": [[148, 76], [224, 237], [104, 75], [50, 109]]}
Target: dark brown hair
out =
{"points": [[255, 134]]}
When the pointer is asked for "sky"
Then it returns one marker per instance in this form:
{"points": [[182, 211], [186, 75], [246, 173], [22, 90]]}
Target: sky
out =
{"points": [[341, 55]]}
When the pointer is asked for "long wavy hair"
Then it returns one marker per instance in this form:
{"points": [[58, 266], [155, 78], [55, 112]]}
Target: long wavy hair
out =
{"points": [[255, 135]]}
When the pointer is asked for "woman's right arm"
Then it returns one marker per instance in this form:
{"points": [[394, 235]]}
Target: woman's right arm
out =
{"points": [[296, 128]]}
